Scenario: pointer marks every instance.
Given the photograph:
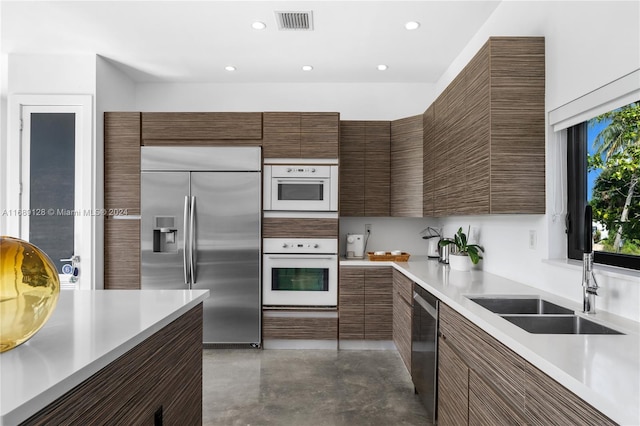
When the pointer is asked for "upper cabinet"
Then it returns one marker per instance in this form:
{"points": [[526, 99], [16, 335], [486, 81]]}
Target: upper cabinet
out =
{"points": [[365, 150], [406, 167], [484, 136], [201, 128], [301, 135]]}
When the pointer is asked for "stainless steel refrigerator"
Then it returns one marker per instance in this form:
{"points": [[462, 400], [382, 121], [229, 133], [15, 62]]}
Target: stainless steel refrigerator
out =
{"points": [[200, 229]]}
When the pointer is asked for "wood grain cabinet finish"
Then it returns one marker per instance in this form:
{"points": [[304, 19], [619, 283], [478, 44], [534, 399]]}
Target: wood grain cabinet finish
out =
{"points": [[496, 363], [365, 168], [503, 387], [163, 372], [453, 387], [407, 167], [428, 161], [549, 403], [121, 254], [365, 303], [486, 407], [352, 167], [275, 227], [487, 142], [301, 134], [351, 303], [122, 161], [280, 325], [402, 316], [175, 126]]}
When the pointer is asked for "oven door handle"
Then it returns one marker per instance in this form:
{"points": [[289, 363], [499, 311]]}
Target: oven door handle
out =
{"points": [[302, 180], [314, 257]]}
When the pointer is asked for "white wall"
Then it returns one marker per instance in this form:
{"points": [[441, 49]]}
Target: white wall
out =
{"points": [[359, 101]]}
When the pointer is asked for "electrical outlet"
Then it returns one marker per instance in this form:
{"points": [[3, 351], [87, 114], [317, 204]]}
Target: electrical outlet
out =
{"points": [[367, 229], [533, 239]]}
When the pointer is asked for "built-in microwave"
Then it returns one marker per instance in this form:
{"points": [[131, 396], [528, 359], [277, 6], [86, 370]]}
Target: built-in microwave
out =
{"points": [[305, 187]]}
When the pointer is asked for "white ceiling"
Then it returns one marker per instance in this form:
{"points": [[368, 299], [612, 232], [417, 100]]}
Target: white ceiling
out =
{"points": [[192, 41]]}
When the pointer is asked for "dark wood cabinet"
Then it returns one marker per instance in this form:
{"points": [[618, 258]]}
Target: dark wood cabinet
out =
{"points": [[402, 316], [365, 303], [480, 376], [428, 162], [160, 128], [164, 372], [453, 387], [301, 135], [122, 194], [487, 140], [407, 167], [278, 227], [365, 174], [282, 324]]}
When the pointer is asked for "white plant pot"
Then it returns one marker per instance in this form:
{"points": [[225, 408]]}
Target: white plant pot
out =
{"points": [[460, 262]]}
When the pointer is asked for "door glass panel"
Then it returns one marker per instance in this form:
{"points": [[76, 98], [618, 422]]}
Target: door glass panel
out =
{"points": [[300, 279], [51, 184], [300, 191]]}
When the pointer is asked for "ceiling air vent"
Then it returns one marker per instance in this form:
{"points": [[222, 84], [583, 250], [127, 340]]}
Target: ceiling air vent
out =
{"points": [[301, 21]]}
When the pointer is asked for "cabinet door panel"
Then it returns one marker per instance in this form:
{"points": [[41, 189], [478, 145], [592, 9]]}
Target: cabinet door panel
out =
{"points": [[352, 167], [122, 161], [121, 254], [319, 145], [547, 402], [453, 387], [486, 407], [406, 167], [351, 303], [202, 125], [378, 304], [377, 176], [428, 163]]}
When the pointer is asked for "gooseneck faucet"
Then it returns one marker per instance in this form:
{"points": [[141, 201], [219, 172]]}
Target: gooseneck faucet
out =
{"points": [[589, 283]]}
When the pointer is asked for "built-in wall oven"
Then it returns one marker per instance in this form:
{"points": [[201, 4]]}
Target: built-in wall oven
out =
{"points": [[300, 272], [306, 187]]}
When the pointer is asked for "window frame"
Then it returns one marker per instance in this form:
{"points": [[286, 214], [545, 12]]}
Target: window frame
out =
{"points": [[577, 200]]}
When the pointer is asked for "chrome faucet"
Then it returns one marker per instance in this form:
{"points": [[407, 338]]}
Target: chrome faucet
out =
{"points": [[589, 284]]}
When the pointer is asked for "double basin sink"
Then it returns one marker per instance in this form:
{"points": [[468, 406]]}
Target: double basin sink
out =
{"points": [[539, 316]]}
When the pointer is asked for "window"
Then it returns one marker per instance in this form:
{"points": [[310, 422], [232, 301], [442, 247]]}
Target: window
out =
{"points": [[603, 171]]}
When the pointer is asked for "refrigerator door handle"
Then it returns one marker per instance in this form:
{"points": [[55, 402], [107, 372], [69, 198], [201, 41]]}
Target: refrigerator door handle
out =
{"points": [[192, 238], [185, 256]]}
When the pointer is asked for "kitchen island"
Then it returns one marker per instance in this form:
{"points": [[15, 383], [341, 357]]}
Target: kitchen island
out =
{"points": [[602, 370], [120, 356]]}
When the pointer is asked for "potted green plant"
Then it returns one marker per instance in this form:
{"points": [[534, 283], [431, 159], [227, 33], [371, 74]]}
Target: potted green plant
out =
{"points": [[465, 254]]}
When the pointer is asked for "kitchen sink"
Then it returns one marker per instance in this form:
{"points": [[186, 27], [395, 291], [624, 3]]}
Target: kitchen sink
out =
{"points": [[558, 324], [520, 305]]}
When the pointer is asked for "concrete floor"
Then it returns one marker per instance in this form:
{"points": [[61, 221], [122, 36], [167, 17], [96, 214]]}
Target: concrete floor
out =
{"points": [[308, 387]]}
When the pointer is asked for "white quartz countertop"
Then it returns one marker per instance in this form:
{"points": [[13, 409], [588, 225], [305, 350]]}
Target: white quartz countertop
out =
{"points": [[604, 370], [87, 331]]}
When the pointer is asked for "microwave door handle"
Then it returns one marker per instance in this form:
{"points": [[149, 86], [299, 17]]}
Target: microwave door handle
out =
{"points": [[185, 238], [192, 237]]}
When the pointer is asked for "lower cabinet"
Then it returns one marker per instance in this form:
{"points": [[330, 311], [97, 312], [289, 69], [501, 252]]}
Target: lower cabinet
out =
{"points": [[365, 303], [402, 316], [158, 381], [481, 382]]}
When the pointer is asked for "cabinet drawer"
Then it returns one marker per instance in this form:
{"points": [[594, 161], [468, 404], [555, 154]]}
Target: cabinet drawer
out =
{"points": [[273, 227], [492, 360], [299, 325]]}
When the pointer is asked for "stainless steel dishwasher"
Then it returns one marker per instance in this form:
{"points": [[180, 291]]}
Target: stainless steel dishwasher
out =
{"points": [[424, 349]]}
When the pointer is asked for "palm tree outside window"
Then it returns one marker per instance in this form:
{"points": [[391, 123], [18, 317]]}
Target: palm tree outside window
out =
{"points": [[604, 171]]}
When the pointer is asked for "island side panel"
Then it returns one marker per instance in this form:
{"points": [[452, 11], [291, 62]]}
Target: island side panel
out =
{"points": [[163, 373]]}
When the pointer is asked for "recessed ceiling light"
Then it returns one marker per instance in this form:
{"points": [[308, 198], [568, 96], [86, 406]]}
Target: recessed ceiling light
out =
{"points": [[230, 68], [307, 68], [382, 67], [412, 25], [257, 25]]}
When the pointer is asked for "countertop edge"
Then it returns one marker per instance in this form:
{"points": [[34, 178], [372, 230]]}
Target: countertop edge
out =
{"points": [[616, 413], [26, 409]]}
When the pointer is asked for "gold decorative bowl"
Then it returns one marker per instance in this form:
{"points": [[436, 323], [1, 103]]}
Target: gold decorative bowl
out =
{"points": [[29, 289]]}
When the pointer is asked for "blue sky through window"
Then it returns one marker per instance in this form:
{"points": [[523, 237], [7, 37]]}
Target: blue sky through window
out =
{"points": [[592, 131]]}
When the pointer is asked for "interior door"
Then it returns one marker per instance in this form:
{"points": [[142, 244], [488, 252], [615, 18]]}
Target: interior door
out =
{"points": [[227, 206], [55, 209]]}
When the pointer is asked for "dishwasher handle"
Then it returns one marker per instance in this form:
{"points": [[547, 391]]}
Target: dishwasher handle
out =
{"points": [[431, 310]]}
